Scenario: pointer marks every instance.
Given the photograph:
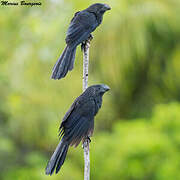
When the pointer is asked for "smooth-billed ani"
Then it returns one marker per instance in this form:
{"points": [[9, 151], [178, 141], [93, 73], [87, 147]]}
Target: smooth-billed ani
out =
{"points": [[83, 23], [77, 124]]}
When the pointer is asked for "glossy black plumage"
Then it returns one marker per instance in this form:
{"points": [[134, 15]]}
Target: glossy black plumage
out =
{"points": [[77, 124], [83, 23]]}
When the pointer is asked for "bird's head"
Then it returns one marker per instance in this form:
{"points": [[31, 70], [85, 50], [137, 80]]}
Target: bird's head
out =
{"points": [[98, 90], [98, 8]]}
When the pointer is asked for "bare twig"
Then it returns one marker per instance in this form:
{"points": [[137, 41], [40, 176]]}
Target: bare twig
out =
{"points": [[85, 48], [85, 64]]}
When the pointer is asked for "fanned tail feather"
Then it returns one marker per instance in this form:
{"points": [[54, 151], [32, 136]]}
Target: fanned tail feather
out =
{"points": [[57, 158], [64, 64]]}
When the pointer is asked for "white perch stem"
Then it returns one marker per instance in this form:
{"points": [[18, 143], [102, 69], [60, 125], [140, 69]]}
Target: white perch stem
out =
{"points": [[85, 85]]}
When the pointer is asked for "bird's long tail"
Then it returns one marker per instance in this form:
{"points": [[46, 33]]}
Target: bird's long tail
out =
{"points": [[58, 157], [65, 63]]}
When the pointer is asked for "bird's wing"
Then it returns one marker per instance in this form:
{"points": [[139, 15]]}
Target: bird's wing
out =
{"points": [[78, 122], [82, 24]]}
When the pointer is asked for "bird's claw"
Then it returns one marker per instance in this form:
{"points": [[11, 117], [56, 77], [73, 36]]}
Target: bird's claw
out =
{"points": [[86, 43], [83, 45], [90, 38], [88, 139], [86, 142]]}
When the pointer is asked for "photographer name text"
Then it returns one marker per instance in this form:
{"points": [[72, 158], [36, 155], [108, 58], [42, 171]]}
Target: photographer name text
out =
{"points": [[21, 3]]}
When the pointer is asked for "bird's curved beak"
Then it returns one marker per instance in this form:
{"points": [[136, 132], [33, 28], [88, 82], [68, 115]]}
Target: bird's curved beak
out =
{"points": [[106, 88], [107, 7]]}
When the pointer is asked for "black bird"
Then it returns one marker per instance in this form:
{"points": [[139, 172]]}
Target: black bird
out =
{"points": [[77, 124], [83, 23]]}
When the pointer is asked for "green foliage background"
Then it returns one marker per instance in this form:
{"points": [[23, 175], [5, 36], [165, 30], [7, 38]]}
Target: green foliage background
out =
{"points": [[136, 51]]}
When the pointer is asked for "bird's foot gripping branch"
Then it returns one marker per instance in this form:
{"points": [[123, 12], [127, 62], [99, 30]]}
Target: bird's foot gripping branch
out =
{"points": [[86, 44], [86, 142]]}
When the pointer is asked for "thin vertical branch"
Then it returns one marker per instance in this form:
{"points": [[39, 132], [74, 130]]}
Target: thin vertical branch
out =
{"points": [[85, 64], [85, 85]]}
